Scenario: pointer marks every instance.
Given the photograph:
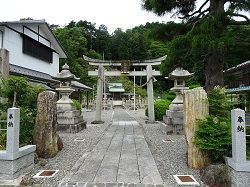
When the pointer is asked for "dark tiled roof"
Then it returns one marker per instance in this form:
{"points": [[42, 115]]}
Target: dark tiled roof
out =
{"points": [[18, 70], [239, 67], [36, 75]]}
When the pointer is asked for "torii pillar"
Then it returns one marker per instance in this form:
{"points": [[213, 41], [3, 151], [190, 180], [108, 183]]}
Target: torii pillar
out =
{"points": [[99, 95], [150, 92], [149, 73]]}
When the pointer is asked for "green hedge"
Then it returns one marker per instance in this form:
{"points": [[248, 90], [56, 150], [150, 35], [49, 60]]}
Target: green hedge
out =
{"points": [[160, 107]]}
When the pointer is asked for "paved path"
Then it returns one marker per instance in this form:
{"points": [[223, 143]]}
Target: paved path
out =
{"points": [[121, 158]]}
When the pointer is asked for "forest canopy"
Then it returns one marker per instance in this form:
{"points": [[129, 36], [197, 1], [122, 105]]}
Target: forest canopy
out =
{"points": [[184, 45]]}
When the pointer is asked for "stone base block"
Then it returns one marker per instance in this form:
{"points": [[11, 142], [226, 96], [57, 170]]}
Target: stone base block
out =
{"points": [[69, 114], [167, 120], [72, 128], [245, 166], [172, 128], [163, 128], [174, 114], [178, 129], [72, 120], [12, 169], [175, 129], [177, 121]]}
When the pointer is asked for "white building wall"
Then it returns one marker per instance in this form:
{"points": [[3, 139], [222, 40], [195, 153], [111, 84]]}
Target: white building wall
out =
{"points": [[13, 43]]}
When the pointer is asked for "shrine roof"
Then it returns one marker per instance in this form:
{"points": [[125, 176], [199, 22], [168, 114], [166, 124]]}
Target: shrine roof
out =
{"points": [[116, 87]]}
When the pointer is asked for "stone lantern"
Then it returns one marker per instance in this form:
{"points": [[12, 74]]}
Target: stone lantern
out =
{"points": [[179, 75], [68, 118], [174, 116], [65, 77]]}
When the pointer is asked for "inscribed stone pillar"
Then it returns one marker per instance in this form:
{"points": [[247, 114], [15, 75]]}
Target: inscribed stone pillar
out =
{"points": [[238, 135], [150, 92], [4, 63], [99, 93], [195, 106], [15, 161], [45, 137], [13, 129], [238, 161]]}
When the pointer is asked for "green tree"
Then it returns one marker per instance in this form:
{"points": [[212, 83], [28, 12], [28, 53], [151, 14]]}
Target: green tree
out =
{"points": [[24, 96], [13, 88], [209, 23], [73, 40], [102, 41]]}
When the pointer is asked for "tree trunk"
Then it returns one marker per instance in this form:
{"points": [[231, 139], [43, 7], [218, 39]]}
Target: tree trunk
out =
{"points": [[217, 6], [215, 57], [214, 69]]}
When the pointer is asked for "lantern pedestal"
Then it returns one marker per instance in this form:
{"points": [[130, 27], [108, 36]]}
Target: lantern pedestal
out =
{"points": [[69, 119], [174, 116]]}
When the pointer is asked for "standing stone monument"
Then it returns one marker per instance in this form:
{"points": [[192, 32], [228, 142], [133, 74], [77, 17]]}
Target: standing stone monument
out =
{"points": [[47, 141], [238, 161], [4, 63], [15, 161], [174, 116], [69, 119], [195, 107]]}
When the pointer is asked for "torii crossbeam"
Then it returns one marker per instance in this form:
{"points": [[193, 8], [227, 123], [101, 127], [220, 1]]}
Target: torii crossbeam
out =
{"points": [[125, 69]]}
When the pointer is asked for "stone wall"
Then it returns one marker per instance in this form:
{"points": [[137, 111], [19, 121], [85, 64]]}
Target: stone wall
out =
{"points": [[195, 106]]}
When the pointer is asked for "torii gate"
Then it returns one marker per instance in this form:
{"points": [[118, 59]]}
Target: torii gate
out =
{"points": [[125, 69]]}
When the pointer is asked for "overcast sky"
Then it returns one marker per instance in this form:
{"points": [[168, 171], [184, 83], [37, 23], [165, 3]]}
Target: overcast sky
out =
{"points": [[124, 14]]}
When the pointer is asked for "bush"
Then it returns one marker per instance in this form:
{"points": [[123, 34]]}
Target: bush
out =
{"points": [[27, 122], [77, 104], [160, 107], [214, 137], [170, 95], [214, 133]]}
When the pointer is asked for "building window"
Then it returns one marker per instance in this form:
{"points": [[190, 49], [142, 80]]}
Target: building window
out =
{"points": [[36, 49]]}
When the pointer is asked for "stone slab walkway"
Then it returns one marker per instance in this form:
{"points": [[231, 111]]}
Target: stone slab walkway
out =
{"points": [[120, 158]]}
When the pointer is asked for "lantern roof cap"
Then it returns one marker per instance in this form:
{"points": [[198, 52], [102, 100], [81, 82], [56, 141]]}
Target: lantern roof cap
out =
{"points": [[179, 73], [65, 74]]}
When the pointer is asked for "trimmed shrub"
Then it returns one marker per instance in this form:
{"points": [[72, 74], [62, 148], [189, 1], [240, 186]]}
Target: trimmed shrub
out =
{"points": [[214, 137], [160, 107]]}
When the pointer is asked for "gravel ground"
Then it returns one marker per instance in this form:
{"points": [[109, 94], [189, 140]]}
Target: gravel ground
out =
{"points": [[170, 157], [71, 152]]}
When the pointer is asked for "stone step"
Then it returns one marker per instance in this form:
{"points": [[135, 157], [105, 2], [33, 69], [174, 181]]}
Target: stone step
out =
{"points": [[107, 184]]}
